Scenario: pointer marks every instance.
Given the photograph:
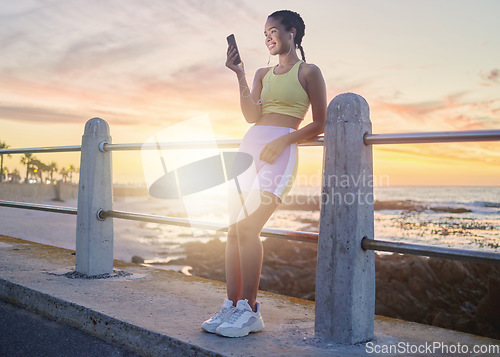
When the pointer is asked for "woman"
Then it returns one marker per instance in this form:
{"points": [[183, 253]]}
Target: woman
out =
{"points": [[276, 105]]}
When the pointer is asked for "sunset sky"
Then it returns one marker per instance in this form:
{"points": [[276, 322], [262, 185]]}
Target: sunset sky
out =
{"points": [[146, 65]]}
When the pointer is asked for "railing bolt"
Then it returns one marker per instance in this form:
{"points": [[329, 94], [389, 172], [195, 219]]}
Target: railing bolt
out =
{"points": [[101, 215], [102, 146]]}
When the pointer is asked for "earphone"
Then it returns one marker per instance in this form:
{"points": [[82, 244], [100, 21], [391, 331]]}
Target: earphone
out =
{"points": [[291, 36]]}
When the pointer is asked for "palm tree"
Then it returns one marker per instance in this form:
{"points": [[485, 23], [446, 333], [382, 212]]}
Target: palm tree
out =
{"points": [[71, 170], [3, 145], [64, 173], [38, 168], [52, 169], [5, 173], [15, 176], [35, 167], [43, 168], [26, 160]]}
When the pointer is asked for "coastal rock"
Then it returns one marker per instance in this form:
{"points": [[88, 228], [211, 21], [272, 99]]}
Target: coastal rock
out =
{"points": [[207, 259], [439, 292], [137, 259], [488, 310], [313, 203]]}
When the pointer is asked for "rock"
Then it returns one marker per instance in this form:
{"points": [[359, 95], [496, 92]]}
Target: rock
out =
{"points": [[137, 259], [488, 310]]}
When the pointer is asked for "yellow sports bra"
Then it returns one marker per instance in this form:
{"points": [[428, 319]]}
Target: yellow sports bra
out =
{"points": [[283, 93]]}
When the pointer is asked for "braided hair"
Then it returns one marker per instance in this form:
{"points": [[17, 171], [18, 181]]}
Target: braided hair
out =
{"points": [[291, 19]]}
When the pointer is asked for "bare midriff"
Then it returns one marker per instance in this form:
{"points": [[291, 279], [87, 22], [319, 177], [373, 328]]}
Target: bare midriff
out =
{"points": [[276, 119]]}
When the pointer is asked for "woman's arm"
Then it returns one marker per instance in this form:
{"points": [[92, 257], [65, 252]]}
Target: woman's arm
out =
{"points": [[316, 90], [250, 103], [249, 99]]}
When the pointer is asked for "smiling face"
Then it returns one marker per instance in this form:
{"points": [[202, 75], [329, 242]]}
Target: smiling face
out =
{"points": [[277, 38]]}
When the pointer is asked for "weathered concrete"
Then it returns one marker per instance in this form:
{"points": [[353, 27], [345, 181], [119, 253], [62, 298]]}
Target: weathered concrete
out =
{"points": [[37, 192], [159, 313], [94, 237], [345, 278]]}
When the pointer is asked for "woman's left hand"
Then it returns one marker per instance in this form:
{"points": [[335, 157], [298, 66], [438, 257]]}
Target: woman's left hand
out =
{"points": [[273, 149]]}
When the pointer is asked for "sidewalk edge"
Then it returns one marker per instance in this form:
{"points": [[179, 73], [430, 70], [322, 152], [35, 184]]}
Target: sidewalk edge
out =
{"points": [[107, 328]]}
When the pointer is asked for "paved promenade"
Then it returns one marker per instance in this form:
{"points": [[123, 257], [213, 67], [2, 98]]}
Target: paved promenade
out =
{"points": [[158, 313]]}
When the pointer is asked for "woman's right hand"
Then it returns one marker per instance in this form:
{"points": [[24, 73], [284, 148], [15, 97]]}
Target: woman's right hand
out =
{"points": [[231, 56]]}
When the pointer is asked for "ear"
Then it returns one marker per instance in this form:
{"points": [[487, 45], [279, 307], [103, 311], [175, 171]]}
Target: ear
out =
{"points": [[294, 32]]}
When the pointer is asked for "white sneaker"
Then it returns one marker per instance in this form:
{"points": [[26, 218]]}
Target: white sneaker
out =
{"points": [[242, 321], [212, 323]]}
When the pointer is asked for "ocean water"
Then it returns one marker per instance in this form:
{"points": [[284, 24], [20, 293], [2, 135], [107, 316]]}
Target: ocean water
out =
{"points": [[460, 217], [464, 217]]}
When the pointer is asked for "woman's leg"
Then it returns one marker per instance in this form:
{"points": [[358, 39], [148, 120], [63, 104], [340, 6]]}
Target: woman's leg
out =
{"points": [[233, 271], [260, 206], [232, 259]]}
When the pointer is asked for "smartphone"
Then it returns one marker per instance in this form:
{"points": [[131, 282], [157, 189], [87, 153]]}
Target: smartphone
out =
{"points": [[231, 41]]}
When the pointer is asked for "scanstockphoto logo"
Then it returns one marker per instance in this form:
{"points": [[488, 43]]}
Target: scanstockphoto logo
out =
{"points": [[183, 162]]}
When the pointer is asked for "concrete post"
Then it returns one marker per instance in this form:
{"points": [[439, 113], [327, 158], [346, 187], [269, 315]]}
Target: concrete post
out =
{"points": [[345, 278], [94, 237]]}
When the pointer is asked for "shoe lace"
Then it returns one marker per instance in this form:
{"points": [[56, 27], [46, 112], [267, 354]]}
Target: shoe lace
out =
{"points": [[235, 315], [221, 313]]}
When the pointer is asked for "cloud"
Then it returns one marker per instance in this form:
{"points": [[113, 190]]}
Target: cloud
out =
{"points": [[149, 59], [69, 37], [136, 98], [414, 111], [453, 112], [490, 77], [163, 60], [38, 114], [471, 152], [494, 75]]}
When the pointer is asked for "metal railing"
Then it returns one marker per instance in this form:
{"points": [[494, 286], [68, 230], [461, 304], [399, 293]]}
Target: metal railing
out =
{"points": [[433, 137], [50, 149], [431, 251], [39, 207], [182, 222], [345, 288]]}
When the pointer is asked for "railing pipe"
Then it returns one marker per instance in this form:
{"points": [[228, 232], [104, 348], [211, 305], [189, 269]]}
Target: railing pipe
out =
{"points": [[94, 237], [38, 207], [194, 145], [183, 222], [431, 251], [432, 137], [48, 149], [345, 275], [221, 144]]}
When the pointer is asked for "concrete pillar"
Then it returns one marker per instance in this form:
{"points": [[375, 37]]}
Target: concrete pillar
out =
{"points": [[94, 237], [345, 278]]}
